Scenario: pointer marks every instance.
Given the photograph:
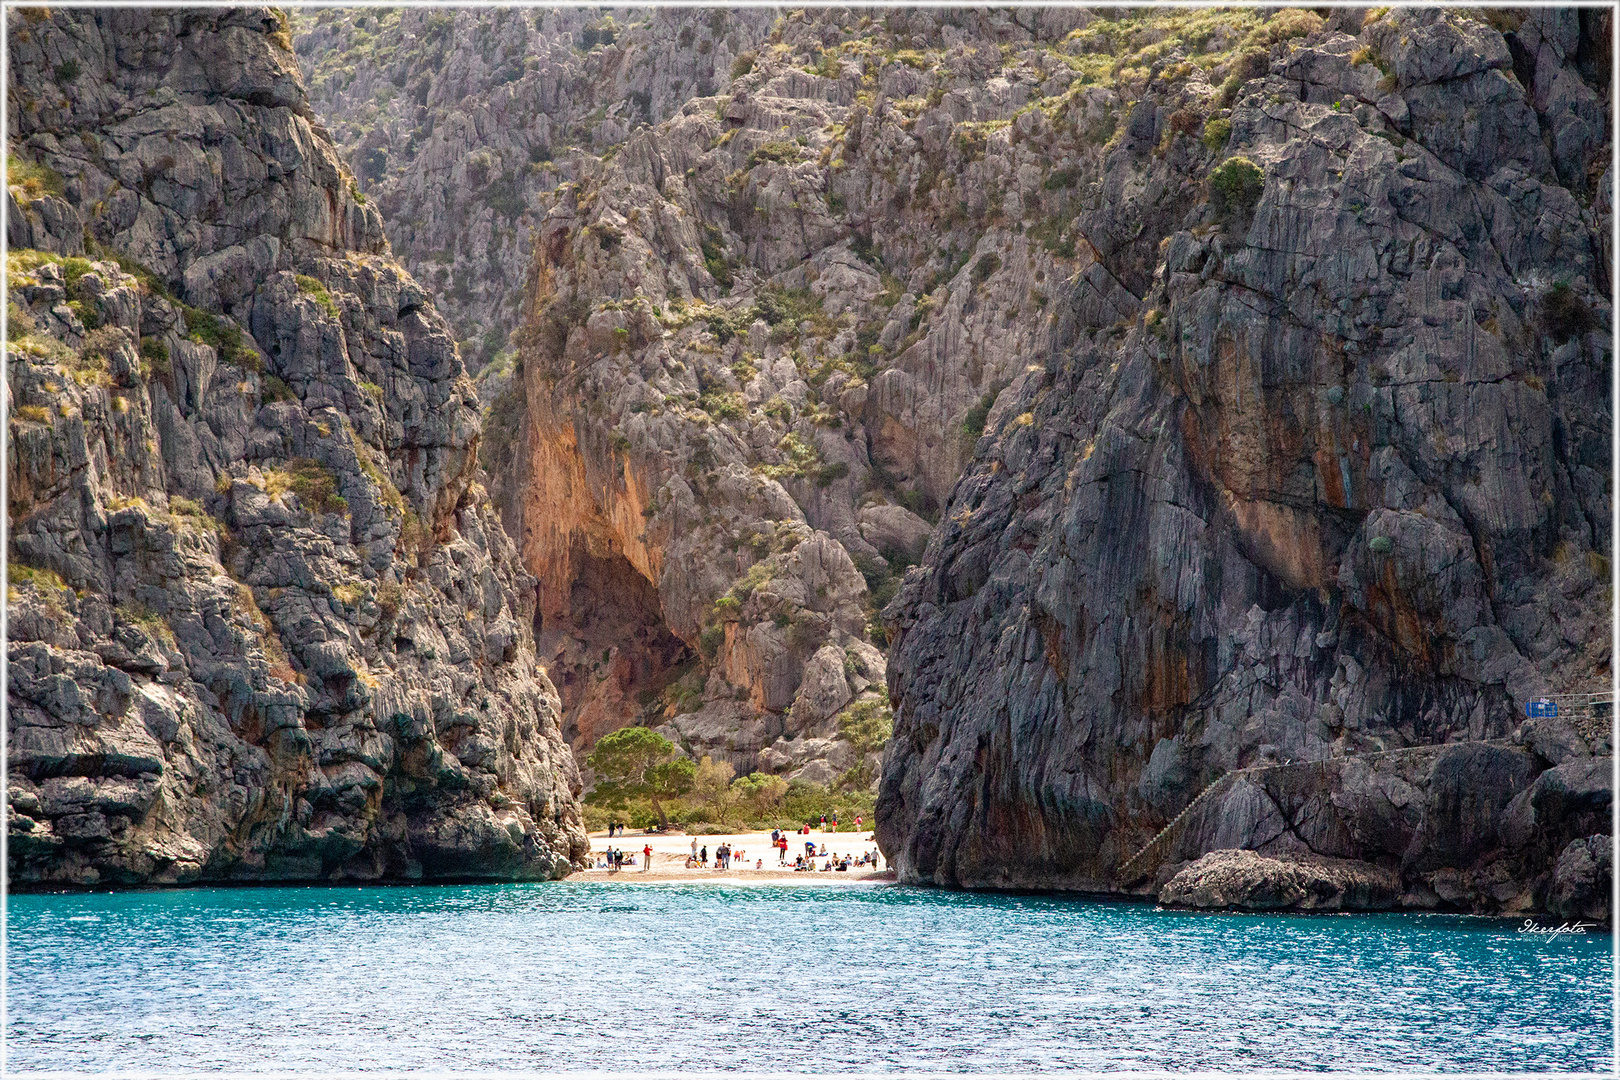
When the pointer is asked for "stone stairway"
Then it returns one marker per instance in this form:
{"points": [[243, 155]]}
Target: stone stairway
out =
{"points": [[1137, 866]]}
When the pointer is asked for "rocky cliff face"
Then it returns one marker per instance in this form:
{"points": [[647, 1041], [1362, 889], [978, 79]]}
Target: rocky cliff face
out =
{"points": [[460, 125], [1244, 373], [756, 331], [1317, 466], [264, 624]]}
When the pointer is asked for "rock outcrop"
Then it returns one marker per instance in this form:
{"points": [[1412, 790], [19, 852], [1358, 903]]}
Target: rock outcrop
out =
{"points": [[264, 624], [1317, 466], [1245, 881]]}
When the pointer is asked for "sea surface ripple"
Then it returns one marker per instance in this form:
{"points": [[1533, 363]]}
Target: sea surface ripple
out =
{"points": [[585, 976]]}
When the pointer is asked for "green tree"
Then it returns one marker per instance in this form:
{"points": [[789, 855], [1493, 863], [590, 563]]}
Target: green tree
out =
{"points": [[634, 763], [712, 785], [761, 791]]}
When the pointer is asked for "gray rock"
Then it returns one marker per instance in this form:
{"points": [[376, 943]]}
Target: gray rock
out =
{"points": [[265, 625], [1583, 880], [1273, 494], [1246, 881]]}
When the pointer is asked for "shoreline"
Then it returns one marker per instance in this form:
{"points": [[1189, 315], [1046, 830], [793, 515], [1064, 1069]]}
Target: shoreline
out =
{"points": [[670, 852]]}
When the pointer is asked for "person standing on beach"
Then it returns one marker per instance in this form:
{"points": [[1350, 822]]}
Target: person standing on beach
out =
{"points": [[823, 822], [703, 855], [694, 847], [646, 857]]}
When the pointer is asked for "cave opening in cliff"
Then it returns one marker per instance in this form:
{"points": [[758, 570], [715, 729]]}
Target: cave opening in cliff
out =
{"points": [[611, 653]]}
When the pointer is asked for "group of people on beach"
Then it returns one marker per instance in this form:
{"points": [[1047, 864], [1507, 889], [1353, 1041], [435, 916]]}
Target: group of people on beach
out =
{"points": [[806, 861], [727, 858], [803, 863], [723, 857], [617, 859]]}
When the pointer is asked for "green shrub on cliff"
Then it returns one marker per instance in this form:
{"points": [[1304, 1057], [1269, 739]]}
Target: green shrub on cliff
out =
{"points": [[1217, 129], [313, 483], [226, 338], [1235, 186], [33, 179], [312, 288], [867, 724]]}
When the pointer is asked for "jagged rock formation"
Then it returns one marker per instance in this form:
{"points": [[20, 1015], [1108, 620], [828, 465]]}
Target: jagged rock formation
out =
{"points": [[459, 125], [762, 324], [1318, 465], [264, 623]]}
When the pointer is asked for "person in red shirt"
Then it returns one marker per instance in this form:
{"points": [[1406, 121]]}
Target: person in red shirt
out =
{"points": [[646, 857]]}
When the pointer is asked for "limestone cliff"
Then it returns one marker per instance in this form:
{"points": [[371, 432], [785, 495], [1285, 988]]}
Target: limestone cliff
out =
{"points": [[1245, 374], [1315, 469], [460, 123], [264, 624], [765, 323]]}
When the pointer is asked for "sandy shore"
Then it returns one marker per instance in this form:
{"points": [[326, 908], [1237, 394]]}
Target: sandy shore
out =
{"points": [[670, 852]]}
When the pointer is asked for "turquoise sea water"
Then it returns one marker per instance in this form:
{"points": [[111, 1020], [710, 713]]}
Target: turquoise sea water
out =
{"points": [[586, 976]]}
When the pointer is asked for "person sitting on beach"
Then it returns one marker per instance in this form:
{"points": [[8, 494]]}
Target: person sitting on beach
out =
{"points": [[823, 850], [759, 864], [691, 862]]}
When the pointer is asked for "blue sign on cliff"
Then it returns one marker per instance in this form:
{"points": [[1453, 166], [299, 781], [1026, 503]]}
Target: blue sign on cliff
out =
{"points": [[1540, 708]]}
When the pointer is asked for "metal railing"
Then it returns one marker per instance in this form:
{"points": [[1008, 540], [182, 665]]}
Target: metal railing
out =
{"points": [[1589, 712]]}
